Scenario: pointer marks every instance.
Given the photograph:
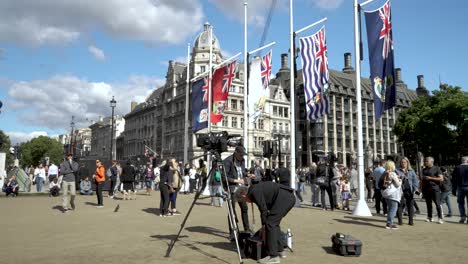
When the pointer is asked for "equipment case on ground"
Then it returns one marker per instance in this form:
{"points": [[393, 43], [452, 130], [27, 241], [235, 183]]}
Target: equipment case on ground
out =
{"points": [[346, 245]]}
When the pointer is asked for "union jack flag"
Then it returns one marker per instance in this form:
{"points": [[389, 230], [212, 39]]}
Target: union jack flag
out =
{"points": [[386, 31], [266, 70], [229, 74], [315, 73], [205, 89]]}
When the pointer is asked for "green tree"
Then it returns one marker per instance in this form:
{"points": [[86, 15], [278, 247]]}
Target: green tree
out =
{"points": [[436, 125], [6, 148], [35, 150]]}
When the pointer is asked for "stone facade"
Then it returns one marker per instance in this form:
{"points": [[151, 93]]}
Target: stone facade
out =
{"points": [[101, 137], [159, 121], [337, 132]]}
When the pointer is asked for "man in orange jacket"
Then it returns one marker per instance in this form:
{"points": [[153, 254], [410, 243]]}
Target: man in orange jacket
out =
{"points": [[99, 178]]}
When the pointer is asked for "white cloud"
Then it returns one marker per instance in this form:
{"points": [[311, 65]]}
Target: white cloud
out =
{"points": [[328, 4], [52, 102], [35, 23], [97, 53], [18, 137]]}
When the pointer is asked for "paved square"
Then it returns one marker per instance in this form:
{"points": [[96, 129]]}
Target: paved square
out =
{"points": [[34, 230]]}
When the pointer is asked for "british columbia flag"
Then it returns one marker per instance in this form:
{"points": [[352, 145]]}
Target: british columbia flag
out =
{"points": [[382, 70], [315, 74]]}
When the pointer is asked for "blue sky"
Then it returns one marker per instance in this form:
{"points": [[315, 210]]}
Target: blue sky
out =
{"points": [[64, 58]]}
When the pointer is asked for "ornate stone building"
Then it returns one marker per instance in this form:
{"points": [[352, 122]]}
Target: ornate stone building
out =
{"points": [[159, 121], [101, 137], [337, 132]]}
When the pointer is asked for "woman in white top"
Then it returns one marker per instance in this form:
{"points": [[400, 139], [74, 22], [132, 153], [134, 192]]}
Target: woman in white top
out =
{"points": [[391, 191], [39, 177]]}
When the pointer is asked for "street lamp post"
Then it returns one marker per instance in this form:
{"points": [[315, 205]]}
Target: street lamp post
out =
{"points": [[112, 105]]}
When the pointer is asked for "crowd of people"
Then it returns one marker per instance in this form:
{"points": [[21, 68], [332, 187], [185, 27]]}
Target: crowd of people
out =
{"points": [[392, 187]]}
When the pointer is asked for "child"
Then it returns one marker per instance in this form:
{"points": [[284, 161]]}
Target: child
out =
{"points": [[345, 195]]}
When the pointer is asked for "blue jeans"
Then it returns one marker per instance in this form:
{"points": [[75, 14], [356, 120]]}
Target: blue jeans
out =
{"points": [[462, 195], [39, 182], [392, 210], [445, 198], [216, 189]]}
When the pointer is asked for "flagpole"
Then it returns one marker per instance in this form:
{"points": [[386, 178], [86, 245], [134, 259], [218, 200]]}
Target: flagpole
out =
{"points": [[361, 208], [210, 81], [292, 98], [246, 105], [262, 48], [187, 105], [311, 25]]}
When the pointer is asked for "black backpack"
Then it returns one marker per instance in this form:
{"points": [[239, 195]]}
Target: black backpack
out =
{"points": [[383, 181]]}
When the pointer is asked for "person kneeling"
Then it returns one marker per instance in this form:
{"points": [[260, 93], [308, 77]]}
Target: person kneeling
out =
{"points": [[54, 188], [85, 187], [274, 201]]}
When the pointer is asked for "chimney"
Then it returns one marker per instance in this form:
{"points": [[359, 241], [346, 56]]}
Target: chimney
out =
{"points": [[421, 90], [133, 104], [348, 68], [421, 81], [398, 75], [284, 61]]}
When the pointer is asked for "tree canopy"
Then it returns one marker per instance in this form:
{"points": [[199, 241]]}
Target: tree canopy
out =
{"points": [[34, 151], [6, 148], [436, 125]]}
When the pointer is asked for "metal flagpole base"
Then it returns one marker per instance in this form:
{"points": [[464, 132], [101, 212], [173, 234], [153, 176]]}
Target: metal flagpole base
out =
{"points": [[362, 209]]}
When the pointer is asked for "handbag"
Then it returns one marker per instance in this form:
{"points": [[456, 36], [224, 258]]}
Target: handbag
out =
{"points": [[389, 191]]}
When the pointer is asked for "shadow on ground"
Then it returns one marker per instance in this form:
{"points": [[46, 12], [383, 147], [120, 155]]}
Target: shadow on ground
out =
{"points": [[154, 211]]}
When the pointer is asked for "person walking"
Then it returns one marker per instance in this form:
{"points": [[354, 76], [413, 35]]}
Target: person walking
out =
{"points": [[39, 177], [193, 178], [378, 172], [99, 178], [128, 178], [216, 189], [164, 189], [186, 185], [446, 189], [410, 185], [68, 169], [390, 187], [149, 177], [431, 179], [175, 182], [460, 187], [114, 171]]}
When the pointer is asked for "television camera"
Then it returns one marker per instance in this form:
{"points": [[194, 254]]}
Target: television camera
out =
{"points": [[218, 141]]}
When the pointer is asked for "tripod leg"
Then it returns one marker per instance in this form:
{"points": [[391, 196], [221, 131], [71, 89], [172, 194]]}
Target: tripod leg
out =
{"points": [[197, 195], [234, 227]]}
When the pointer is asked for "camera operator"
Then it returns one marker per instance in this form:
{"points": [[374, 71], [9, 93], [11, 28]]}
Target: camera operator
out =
{"points": [[236, 175], [274, 201]]}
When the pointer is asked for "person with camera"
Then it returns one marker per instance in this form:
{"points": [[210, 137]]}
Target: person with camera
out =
{"points": [[234, 166], [274, 201], [409, 186], [68, 169]]}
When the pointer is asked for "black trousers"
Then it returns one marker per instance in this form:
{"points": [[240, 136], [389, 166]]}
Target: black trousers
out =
{"points": [[244, 214], [113, 181], [408, 201], [99, 186], [327, 189], [432, 196], [283, 204], [192, 182], [164, 203], [379, 199]]}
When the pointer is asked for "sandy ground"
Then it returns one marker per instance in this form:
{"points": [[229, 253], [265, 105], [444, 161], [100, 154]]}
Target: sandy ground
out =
{"points": [[34, 230]]}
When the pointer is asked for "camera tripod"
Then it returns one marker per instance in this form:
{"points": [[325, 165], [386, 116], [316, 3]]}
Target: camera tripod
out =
{"points": [[226, 195]]}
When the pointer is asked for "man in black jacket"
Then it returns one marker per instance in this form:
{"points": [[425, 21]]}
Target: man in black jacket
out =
{"points": [[274, 201], [236, 175], [283, 175], [460, 186]]}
